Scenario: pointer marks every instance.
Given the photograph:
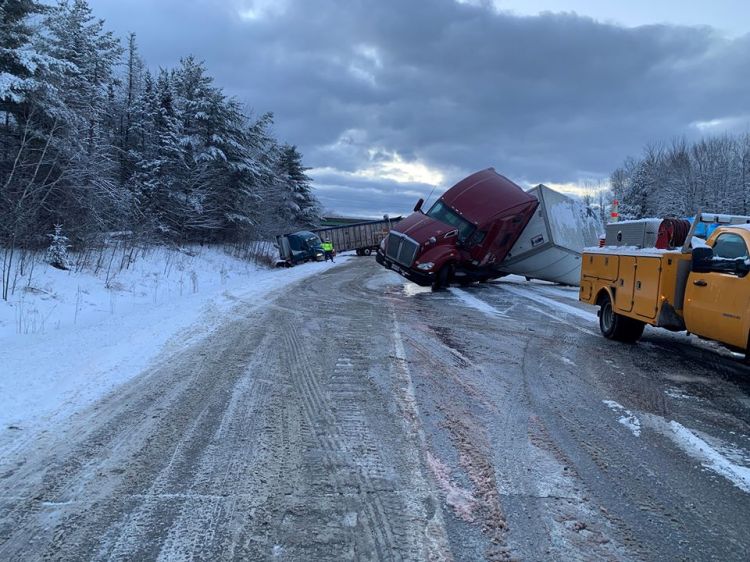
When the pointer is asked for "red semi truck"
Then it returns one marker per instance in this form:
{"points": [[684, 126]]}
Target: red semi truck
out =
{"points": [[464, 236]]}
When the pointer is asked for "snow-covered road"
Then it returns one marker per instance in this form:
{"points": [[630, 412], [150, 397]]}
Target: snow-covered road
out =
{"points": [[353, 416]]}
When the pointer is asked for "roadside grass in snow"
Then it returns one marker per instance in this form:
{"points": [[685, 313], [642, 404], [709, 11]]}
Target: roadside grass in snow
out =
{"points": [[113, 278], [70, 337]]}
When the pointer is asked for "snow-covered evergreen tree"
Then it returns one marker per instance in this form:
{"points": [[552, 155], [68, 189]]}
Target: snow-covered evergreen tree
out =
{"points": [[90, 137], [19, 57], [303, 206], [57, 252]]}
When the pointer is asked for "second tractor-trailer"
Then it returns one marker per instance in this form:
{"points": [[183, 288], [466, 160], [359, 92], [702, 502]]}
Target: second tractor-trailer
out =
{"points": [[362, 237]]}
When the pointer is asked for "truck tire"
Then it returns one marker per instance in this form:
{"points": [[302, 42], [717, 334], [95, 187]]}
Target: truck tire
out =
{"points": [[443, 278], [367, 251], [359, 252], [616, 326]]}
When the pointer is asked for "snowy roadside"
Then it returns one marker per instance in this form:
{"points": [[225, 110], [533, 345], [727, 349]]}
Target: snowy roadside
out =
{"points": [[68, 340]]}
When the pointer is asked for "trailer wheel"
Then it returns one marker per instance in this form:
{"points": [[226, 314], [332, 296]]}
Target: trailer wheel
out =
{"points": [[616, 326], [443, 278], [359, 251], [367, 251]]}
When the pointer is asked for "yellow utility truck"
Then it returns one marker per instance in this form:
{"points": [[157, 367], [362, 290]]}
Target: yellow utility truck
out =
{"points": [[705, 291]]}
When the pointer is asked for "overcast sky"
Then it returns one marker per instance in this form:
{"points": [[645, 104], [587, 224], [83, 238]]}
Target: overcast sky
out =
{"points": [[389, 99]]}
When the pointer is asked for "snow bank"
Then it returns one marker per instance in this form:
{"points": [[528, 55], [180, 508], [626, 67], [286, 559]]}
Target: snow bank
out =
{"points": [[66, 339]]}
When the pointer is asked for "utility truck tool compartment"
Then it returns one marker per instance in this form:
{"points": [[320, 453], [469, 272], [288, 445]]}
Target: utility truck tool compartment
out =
{"points": [[641, 283]]}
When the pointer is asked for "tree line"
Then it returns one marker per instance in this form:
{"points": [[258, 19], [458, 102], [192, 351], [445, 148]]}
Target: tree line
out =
{"points": [[92, 140], [712, 174]]}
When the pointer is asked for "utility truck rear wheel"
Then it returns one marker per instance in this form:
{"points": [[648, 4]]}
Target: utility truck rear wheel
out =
{"points": [[616, 326], [367, 251]]}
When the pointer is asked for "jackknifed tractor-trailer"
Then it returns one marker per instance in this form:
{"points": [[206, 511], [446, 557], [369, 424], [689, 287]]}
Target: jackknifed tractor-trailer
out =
{"points": [[486, 227]]}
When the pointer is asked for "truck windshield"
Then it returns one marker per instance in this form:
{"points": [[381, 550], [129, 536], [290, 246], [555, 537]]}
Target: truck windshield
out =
{"points": [[313, 242], [443, 213]]}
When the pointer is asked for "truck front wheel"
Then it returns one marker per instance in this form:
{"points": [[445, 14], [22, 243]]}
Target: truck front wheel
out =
{"points": [[616, 326], [442, 278]]}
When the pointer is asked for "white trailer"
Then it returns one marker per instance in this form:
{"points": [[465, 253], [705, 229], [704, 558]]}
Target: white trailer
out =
{"points": [[550, 246]]}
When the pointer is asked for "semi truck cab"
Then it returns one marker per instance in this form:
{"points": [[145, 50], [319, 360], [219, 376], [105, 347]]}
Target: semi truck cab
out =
{"points": [[465, 234], [299, 247]]}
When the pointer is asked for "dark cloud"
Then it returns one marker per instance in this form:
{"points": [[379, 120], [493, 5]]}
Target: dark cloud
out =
{"points": [[455, 87]]}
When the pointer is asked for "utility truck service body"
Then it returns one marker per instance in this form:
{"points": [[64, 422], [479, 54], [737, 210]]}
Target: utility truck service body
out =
{"points": [[464, 236], [706, 291]]}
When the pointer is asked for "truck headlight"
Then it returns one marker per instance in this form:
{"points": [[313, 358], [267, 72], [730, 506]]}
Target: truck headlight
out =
{"points": [[426, 266]]}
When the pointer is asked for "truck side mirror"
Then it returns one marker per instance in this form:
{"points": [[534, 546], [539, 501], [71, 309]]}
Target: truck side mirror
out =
{"points": [[418, 206], [703, 259]]}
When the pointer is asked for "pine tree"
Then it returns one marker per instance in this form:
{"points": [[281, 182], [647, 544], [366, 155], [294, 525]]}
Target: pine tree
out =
{"points": [[167, 155], [19, 58], [57, 253], [304, 208], [87, 191]]}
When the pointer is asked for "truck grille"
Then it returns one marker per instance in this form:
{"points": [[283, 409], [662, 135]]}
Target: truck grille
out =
{"points": [[401, 249], [394, 242]]}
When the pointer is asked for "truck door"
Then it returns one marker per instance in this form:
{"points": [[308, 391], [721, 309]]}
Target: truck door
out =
{"points": [[716, 303], [625, 286], [646, 290]]}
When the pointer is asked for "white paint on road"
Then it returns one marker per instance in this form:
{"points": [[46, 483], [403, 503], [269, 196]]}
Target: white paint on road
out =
{"points": [[563, 320], [570, 293], [710, 458], [628, 419], [435, 533], [478, 304], [552, 303]]}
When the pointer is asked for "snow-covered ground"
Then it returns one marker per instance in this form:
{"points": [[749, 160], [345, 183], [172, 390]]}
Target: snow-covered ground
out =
{"points": [[69, 338]]}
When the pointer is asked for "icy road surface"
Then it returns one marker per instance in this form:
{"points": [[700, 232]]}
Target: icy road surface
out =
{"points": [[354, 416]]}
